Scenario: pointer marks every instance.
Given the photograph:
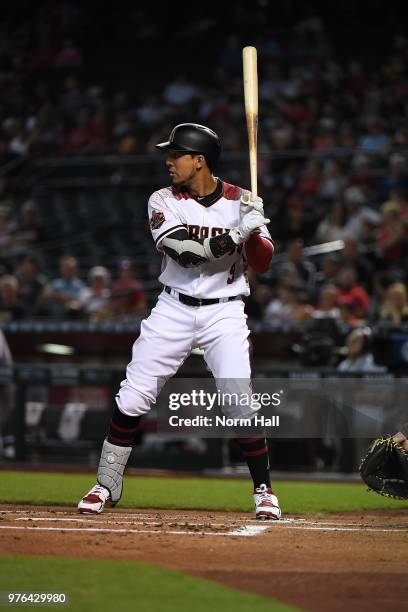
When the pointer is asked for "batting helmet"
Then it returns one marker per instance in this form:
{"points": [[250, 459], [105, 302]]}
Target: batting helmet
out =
{"points": [[194, 138]]}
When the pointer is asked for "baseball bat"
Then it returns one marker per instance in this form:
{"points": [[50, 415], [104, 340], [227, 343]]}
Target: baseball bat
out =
{"points": [[249, 61]]}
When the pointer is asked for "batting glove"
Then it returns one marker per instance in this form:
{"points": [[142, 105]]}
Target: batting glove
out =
{"points": [[250, 222], [249, 202]]}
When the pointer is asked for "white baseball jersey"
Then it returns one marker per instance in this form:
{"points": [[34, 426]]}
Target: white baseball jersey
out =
{"points": [[171, 209]]}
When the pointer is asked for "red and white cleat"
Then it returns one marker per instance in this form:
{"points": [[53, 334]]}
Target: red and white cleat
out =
{"points": [[94, 501], [266, 504]]}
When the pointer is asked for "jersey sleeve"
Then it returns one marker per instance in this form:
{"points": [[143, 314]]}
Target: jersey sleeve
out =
{"points": [[162, 219], [259, 250]]}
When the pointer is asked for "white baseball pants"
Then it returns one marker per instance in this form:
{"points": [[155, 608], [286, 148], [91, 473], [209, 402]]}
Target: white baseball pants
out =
{"points": [[166, 339]]}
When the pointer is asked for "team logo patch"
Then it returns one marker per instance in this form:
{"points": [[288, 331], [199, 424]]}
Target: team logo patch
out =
{"points": [[157, 220]]}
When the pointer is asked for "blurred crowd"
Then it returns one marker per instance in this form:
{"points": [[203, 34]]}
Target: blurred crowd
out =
{"points": [[28, 294], [333, 141], [311, 96], [361, 279]]}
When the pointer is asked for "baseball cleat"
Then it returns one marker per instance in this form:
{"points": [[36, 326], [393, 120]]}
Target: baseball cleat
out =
{"points": [[94, 501], [266, 504]]}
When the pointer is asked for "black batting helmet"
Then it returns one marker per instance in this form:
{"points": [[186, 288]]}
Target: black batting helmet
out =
{"points": [[194, 138]]}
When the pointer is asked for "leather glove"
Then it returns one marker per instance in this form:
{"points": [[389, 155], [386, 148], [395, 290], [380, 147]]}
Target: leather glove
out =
{"points": [[250, 222], [249, 202], [384, 469]]}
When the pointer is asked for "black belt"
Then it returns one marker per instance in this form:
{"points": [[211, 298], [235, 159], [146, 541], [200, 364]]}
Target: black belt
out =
{"points": [[192, 301]]}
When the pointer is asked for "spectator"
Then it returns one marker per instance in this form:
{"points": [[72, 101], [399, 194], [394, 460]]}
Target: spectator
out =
{"points": [[395, 305], [31, 282], [280, 309], [375, 140], [347, 136], [62, 297], [95, 297], [396, 179], [179, 91], [299, 266], [350, 293], [291, 306], [333, 226], [351, 258], [359, 356], [350, 310], [330, 267], [392, 234], [28, 232], [368, 244], [381, 281], [11, 307], [333, 180], [326, 136], [358, 212], [327, 305], [310, 181], [127, 296], [7, 229], [361, 176], [281, 134]]}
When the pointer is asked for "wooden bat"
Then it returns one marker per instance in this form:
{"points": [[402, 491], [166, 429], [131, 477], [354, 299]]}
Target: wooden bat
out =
{"points": [[249, 61]]}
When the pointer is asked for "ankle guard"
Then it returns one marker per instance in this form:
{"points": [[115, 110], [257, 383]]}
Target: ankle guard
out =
{"points": [[111, 467]]}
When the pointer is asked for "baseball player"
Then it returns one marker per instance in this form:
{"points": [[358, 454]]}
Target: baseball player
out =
{"points": [[208, 231]]}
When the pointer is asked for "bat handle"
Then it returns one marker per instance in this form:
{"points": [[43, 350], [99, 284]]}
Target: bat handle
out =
{"points": [[254, 172]]}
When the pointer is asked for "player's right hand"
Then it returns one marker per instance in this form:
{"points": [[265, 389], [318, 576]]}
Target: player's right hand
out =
{"points": [[250, 222]]}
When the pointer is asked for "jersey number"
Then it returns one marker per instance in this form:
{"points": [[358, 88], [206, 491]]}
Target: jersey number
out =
{"points": [[231, 276]]}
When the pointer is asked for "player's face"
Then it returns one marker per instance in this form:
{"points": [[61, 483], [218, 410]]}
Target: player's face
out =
{"points": [[182, 166]]}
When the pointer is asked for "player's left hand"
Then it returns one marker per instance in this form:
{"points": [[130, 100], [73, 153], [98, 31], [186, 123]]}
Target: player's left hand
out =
{"points": [[249, 202], [250, 222]]}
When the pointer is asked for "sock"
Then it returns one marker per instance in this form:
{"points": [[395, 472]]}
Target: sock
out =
{"points": [[255, 453], [122, 428]]}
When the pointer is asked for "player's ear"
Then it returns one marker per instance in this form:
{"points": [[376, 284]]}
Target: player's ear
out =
{"points": [[200, 161]]}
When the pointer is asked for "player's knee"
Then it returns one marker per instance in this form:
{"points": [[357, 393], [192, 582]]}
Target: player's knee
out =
{"points": [[132, 402]]}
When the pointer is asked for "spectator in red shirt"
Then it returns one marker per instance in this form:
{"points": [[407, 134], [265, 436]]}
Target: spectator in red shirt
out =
{"points": [[349, 292], [127, 296]]}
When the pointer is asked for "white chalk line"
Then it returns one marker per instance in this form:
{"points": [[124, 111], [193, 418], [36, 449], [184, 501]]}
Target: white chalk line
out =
{"points": [[112, 515], [363, 529], [246, 531], [149, 522], [284, 522]]}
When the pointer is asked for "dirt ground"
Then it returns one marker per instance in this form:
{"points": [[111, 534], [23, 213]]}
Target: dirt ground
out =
{"points": [[330, 562]]}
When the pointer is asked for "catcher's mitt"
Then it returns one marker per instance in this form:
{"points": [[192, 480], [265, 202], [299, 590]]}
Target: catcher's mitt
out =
{"points": [[385, 468]]}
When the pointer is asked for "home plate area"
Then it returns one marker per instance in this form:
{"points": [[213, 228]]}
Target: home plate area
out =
{"points": [[177, 523]]}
